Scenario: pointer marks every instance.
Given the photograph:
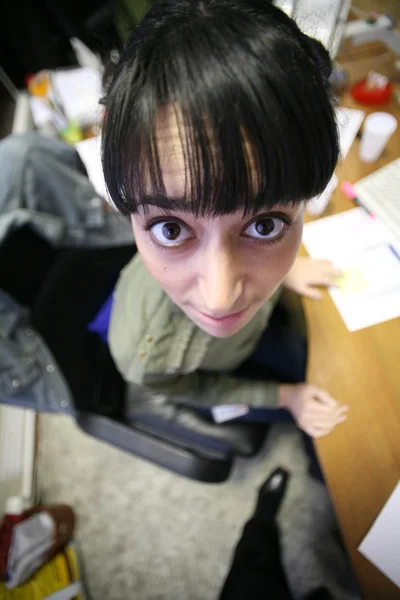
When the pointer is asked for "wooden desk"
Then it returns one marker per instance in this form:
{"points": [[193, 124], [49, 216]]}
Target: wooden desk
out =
{"points": [[361, 458]]}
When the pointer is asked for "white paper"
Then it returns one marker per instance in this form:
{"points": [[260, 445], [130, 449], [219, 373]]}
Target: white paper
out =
{"points": [[318, 204], [381, 545], [358, 244], [79, 92], [349, 122], [90, 152], [227, 412]]}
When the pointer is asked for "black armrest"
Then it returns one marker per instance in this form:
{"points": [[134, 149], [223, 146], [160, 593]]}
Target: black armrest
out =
{"points": [[211, 466]]}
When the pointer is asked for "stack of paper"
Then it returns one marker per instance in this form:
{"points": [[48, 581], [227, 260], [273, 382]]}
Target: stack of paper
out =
{"points": [[79, 91], [369, 292]]}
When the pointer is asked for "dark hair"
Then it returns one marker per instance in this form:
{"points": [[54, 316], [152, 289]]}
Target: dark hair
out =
{"points": [[241, 74]]}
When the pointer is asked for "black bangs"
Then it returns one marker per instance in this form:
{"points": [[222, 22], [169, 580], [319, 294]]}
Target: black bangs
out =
{"points": [[249, 92]]}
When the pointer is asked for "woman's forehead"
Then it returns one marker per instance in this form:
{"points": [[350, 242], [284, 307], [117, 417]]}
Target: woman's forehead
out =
{"points": [[173, 140]]}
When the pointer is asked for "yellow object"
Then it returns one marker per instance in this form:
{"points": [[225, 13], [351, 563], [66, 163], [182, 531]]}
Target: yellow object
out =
{"points": [[72, 134], [353, 281], [58, 573]]}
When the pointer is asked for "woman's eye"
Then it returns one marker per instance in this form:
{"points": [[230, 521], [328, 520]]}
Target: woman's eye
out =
{"points": [[267, 228], [170, 233]]}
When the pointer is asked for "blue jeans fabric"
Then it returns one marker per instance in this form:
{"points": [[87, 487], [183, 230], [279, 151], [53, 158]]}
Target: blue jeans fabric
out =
{"points": [[30, 377], [47, 207], [43, 184]]}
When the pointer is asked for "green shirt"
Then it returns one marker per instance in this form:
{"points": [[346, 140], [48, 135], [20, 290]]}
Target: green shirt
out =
{"points": [[155, 345]]}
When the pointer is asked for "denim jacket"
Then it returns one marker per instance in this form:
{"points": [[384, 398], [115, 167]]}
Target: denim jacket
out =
{"points": [[43, 184], [29, 375]]}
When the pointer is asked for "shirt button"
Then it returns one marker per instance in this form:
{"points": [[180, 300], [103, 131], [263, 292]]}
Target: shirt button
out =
{"points": [[50, 368], [64, 403], [149, 338], [142, 353], [15, 383], [29, 332]]}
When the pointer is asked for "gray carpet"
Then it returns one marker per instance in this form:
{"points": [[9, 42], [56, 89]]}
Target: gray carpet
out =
{"points": [[147, 534]]}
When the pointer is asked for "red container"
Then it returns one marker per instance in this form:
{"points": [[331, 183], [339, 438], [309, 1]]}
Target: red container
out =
{"points": [[371, 96]]}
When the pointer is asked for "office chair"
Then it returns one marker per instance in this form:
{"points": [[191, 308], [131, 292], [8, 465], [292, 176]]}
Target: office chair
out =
{"points": [[152, 427], [64, 290]]}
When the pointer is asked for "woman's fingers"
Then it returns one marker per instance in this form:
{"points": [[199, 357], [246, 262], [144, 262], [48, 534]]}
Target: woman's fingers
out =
{"points": [[326, 266], [322, 397], [318, 410], [311, 292], [325, 273], [318, 427], [320, 433], [321, 413], [316, 431], [328, 420]]}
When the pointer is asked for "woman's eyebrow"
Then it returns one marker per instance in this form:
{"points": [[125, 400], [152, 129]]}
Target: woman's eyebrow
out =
{"points": [[172, 203], [182, 204]]}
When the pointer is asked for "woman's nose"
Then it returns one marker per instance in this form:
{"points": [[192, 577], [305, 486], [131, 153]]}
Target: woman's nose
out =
{"points": [[220, 283]]}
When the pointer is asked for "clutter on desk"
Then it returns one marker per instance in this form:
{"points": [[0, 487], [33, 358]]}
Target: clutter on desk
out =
{"points": [[360, 246], [29, 539], [381, 545], [349, 122], [373, 90], [67, 100]]}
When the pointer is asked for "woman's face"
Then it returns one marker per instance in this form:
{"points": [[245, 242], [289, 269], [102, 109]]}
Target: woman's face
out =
{"points": [[218, 270]]}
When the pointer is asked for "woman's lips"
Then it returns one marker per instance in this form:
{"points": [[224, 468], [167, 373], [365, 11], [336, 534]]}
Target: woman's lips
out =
{"points": [[221, 321]]}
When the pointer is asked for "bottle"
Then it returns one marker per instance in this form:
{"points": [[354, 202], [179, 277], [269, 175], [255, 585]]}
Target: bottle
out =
{"points": [[44, 531], [14, 514]]}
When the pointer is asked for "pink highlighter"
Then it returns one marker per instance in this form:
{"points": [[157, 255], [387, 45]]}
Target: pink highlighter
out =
{"points": [[350, 192], [348, 189]]}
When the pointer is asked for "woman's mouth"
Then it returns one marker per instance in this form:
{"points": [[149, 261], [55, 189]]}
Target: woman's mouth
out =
{"points": [[223, 320]]}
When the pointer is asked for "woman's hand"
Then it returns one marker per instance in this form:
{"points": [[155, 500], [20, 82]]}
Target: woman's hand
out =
{"points": [[307, 273], [313, 409]]}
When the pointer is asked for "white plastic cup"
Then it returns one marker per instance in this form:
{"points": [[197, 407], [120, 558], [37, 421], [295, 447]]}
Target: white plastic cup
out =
{"points": [[378, 128]]}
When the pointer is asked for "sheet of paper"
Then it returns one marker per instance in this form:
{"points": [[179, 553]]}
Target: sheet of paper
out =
{"points": [[79, 91], [228, 412], [349, 122], [90, 153], [381, 545], [369, 291], [42, 113]]}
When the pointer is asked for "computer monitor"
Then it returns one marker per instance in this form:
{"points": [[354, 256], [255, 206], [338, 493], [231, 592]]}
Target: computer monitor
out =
{"points": [[322, 20]]}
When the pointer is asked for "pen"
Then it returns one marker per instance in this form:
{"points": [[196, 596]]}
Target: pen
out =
{"points": [[350, 192], [348, 189], [394, 251]]}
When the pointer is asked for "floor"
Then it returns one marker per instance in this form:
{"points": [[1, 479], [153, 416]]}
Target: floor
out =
{"points": [[147, 534]]}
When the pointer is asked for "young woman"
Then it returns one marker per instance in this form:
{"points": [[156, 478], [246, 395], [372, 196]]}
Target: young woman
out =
{"points": [[219, 127]]}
